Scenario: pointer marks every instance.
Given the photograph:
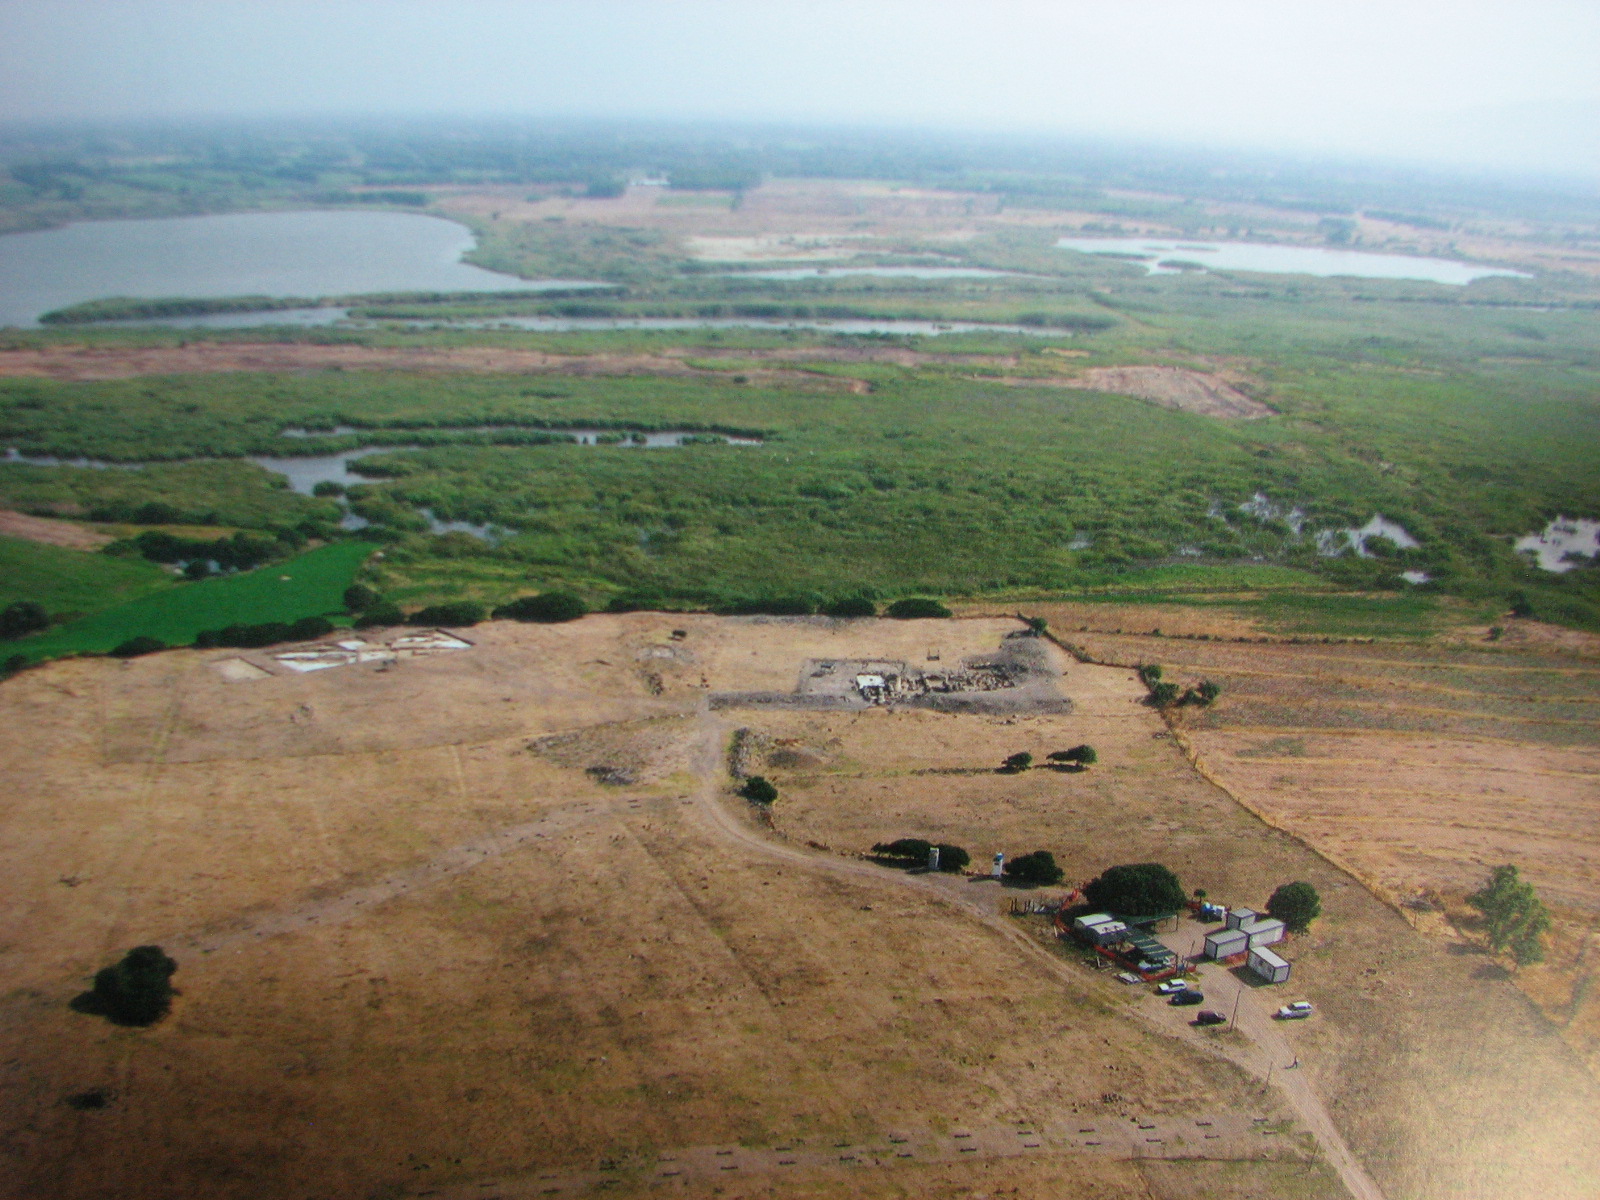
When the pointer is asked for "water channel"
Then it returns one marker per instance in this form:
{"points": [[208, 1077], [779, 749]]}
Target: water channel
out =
{"points": [[1163, 256]]}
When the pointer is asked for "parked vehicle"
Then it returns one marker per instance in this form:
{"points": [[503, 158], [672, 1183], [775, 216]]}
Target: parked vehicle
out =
{"points": [[1207, 1017], [1186, 998], [1128, 977], [1297, 1011], [1172, 987]]}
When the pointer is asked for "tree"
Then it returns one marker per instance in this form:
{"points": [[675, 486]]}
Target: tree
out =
{"points": [[547, 608], [1020, 761], [384, 612], [358, 597], [136, 991], [136, 646], [1083, 755], [758, 790], [1137, 890], [851, 606], [1296, 905], [22, 618], [1037, 625], [1034, 870], [910, 853], [1163, 695], [307, 628], [1515, 918], [456, 612], [916, 607], [1208, 691]]}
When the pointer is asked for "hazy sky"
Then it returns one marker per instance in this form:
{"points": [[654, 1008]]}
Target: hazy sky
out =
{"points": [[1474, 81]]}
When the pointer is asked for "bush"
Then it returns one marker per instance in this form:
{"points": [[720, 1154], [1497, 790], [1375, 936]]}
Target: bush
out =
{"points": [[916, 607], [547, 607], [1083, 755], [358, 597], [1034, 870], [456, 612], [758, 790], [307, 628], [137, 991], [384, 612], [851, 606], [1164, 695], [1137, 890], [1019, 761], [1296, 905], [910, 853], [771, 606], [135, 646], [22, 618], [627, 602]]}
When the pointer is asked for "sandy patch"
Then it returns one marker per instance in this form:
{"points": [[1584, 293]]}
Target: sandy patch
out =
{"points": [[1170, 387], [54, 533]]}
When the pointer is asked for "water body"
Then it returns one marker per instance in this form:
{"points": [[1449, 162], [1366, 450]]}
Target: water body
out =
{"points": [[852, 327], [1561, 543], [240, 254], [1282, 260], [1334, 542]]}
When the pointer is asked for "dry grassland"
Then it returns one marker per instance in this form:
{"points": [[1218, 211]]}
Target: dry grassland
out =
{"points": [[417, 954], [1418, 768]]}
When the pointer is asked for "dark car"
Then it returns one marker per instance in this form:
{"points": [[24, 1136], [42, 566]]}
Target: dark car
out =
{"points": [[1207, 1017], [1185, 998]]}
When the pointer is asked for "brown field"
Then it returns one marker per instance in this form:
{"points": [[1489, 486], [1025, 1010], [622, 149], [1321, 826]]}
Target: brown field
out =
{"points": [[52, 533], [424, 949], [1418, 768]]}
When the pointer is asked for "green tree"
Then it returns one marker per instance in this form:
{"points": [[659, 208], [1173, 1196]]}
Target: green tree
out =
{"points": [[22, 618], [1208, 691], [759, 790], [548, 608], [1163, 695], [1137, 890], [1296, 905], [456, 612], [358, 598], [851, 606], [134, 647], [1515, 918], [136, 991], [1020, 761], [1034, 870], [916, 607], [1083, 755]]}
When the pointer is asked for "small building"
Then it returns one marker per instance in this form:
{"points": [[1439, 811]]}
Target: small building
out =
{"points": [[1241, 916], [1081, 923], [1225, 943], [1107, 933], [1264, 932], [1268, 965], [874, 689]]}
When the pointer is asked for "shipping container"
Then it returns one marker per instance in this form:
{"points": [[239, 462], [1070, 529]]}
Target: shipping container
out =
{"points": [[1225, 943], [1264, 932], [1241, 916]]}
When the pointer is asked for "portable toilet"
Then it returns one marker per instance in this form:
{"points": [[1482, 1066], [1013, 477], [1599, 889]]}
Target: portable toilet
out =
{"points": [[1264, 932], [1268, 965], [1240, 916], [1225, 943], [999, 867]]}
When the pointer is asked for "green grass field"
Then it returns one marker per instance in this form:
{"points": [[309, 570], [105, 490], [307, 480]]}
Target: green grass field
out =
{"points": [[70, 582], [309, 584]]}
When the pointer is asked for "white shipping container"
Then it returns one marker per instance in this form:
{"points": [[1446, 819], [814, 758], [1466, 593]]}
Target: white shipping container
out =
{"points": [[1226, 942], [1265, 932], [1107, 934], [1240, 916], [1269, 966], [1083, 923]]}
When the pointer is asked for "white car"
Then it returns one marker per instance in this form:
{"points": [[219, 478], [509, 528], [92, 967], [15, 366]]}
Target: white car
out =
{"points": [[1172, 987], [1297, 1011], [1128, 977]]}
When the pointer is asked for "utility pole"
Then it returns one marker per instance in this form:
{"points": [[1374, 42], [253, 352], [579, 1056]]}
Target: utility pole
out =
{"points": [[1233, 1021]]}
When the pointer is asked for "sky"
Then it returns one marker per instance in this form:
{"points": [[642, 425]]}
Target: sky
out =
{"points": [[1479, 83]]}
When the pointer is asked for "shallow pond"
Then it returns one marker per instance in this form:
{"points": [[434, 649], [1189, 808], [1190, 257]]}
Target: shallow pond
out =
{"points": [[1152, 253], [241, 254], [1334, 542], [1562, 542]]}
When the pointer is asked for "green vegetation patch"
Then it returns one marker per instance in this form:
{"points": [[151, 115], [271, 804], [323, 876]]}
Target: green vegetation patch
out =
{"points": [[310, 584], [72, 582]]}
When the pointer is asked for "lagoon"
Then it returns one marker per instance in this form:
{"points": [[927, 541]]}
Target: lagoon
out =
{"points": [[1151, 253], [310, 254]]}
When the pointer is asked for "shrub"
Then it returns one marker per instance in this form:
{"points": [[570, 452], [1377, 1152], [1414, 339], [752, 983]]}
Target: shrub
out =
{"points": [[1164, 695], [136, 991], [1296, 905], [1208, 691], [456, 612], [1137, 890], [758, 790], [1019, 761], [771, 606], [1034, 870], [307, 628], [1083, 755], [851, 606], [135, 646], [384, 612], [22, 618], [358, 597], [916, 607], [547, 607], [913, 852]]}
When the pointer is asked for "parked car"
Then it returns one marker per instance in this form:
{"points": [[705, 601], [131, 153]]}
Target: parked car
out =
{"points": [[1128, 977], [1297, 1011], [1172, 987], [1207, 1017], [1184, 998]]}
